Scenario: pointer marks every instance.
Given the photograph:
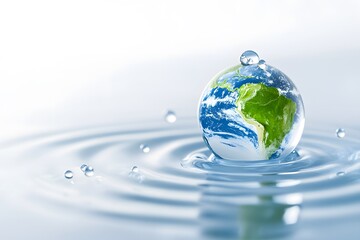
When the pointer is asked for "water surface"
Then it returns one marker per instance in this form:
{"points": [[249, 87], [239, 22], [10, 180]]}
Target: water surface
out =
{"points": [[176, 189]]}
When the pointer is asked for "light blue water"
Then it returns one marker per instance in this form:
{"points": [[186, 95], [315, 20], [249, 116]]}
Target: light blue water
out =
{"points": [[178, 190]]}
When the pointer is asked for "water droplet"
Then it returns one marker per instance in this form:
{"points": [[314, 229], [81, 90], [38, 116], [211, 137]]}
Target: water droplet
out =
{"points": [[340, 133], [249, 57], [339, 174], [68, 174], [170, 117], [262, 64], [135, 169], [136, 175], [144, 148], [83, 167], [89, 171]]}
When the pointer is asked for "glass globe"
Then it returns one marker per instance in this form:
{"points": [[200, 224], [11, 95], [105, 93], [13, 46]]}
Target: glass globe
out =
{"points": [[251, 111]]}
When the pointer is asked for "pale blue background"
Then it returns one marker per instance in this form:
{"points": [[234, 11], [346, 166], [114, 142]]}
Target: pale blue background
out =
{"points": [[77, 63], [83, 63]]}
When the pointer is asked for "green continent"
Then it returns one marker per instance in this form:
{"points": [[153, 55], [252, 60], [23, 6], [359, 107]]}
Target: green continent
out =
{"points": [[273, 113], [222, 84]]}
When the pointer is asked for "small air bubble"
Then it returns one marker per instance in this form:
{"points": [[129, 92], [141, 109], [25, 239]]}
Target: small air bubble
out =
{"points": [[249, 57], [340, 133], [83, 167], [89, 171], [135, 169], [68, 174], [144, 148], [339, 174], [170, 117]]}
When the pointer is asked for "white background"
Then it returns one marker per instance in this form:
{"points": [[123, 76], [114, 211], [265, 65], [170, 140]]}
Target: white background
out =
{"points": [[81, 63]]}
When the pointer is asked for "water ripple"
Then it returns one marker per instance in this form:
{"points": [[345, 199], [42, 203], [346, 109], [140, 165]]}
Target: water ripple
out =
{"points": [[180, 183]]}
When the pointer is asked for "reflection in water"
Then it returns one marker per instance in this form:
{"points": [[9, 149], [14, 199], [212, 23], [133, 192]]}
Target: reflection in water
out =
{"points": [[239, 216], [158, 196]]}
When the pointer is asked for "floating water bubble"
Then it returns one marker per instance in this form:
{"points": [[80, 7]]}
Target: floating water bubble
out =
{"points": [[144, 148], [89, 171], [170, 116], [83, 167], [68, 174], [135, 169], [249, 57], [262, 64], [340, 133]]}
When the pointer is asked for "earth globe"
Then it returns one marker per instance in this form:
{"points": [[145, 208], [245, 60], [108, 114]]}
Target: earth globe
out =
{"points": [[251, 111]]}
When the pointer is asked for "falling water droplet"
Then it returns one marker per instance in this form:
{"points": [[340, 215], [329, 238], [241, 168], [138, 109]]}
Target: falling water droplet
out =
{"points": [[83, 167], [68, 174], [339, 174], [340, 133], [170, 117], [262, 64], [89, 171], [144, 148], [135, 169], [249, 57]]}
